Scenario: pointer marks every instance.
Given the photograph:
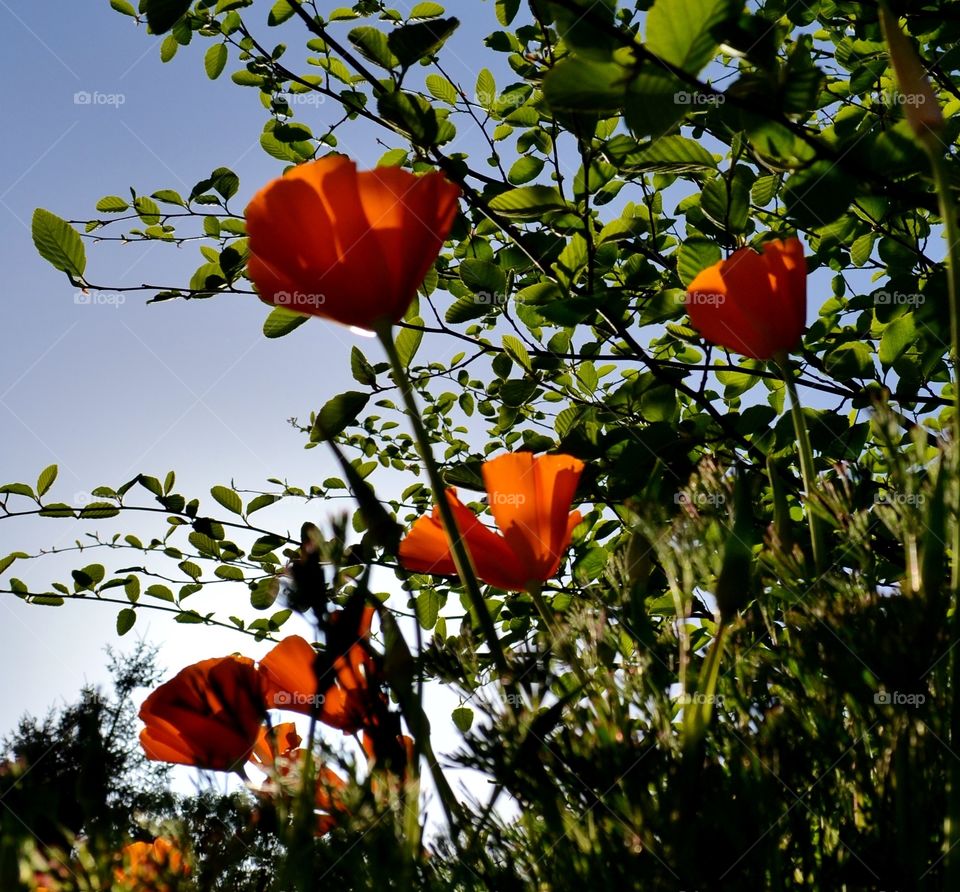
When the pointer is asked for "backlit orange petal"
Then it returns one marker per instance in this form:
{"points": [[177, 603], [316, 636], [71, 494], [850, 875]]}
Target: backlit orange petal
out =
{"points": [[425, 549], [789, 270], [717, 299], [208, 715], [530, 500], [289, 675]]}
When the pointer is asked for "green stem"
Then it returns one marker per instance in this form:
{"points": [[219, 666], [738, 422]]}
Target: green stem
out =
{"points": [[948, 214], [807, 468], [458, 550]]}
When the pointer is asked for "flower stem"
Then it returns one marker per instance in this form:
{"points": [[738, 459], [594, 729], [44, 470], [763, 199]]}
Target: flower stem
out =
{"points": [[807, 468], [458, 550], [948, 213]]}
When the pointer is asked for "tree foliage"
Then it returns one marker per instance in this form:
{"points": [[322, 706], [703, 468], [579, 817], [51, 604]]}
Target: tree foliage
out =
{"points": [[705, 714]]}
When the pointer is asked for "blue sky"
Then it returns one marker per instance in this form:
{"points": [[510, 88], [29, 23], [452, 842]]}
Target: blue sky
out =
{"points": [[109, 390]]}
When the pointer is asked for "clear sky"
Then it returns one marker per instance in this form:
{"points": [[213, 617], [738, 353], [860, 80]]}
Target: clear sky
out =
{"points": [[110, 390]]}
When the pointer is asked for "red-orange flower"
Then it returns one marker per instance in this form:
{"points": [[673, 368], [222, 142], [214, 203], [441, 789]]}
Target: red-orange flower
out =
{"points": [[530, 500], [353, 247], [290, 678], [207, 715], [754, 304], [151, 866], [276, 744]]}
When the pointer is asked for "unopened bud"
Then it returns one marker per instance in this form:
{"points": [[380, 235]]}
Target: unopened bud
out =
{"points": [[922, 108]]}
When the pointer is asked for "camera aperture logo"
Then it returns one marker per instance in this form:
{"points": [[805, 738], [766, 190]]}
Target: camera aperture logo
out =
{"points": [[85, 97], [898, 698], [295, 699], [298, 300]]}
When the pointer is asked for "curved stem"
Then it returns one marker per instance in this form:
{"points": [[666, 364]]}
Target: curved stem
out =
{"points": [[807, 468], [458, 550], [948, 214]]}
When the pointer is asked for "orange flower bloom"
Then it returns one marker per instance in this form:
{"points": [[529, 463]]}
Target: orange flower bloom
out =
{"points": [[530, 500], [290, 678], [278, 754], [208, 715], [151, 867], [275, 745], [354, 247], [754, 304]]}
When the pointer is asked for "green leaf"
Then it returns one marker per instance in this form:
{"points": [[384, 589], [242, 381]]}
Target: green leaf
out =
{"points": [[408, 342], [428, 608], [264, 593], [440, 88], [515, 349], [338, 414], [46, 478], [897, 338], [282, 10], [215, 60], [694, 256], [58, 243], [125, 620], [672, 154], [486, 88], [374, 45], [112, 204], [228, 498], [412, 114], [162, 15], [850, 360], [483, 277], [161, 592], [463, 718], [819, 194], [726, 199], [360, 368], [410, 43], [656, 101], [426, 11], [507, 11], [585, 85], [262, 501], [681, 31], [525, 169], [468, 307], [124, 7], [528, 202], [282, 321]]}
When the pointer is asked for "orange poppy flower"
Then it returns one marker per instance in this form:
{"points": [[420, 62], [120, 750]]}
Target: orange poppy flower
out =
{"points": [[278, 754], [529, 498], [754, 304], [290, 678], [207, 715], [354, 247], [151, 866], [275, 745]]}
